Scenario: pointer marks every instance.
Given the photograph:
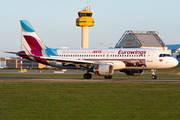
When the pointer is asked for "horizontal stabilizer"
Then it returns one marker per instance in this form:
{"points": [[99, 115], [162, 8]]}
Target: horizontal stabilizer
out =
{"points": [[18, 53]]}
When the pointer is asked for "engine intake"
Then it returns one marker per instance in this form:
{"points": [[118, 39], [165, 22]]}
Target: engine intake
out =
{"points": [[103, 69]]}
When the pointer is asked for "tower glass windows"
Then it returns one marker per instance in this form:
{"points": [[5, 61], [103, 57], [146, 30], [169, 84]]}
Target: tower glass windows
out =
{"points": [[85, 14]]}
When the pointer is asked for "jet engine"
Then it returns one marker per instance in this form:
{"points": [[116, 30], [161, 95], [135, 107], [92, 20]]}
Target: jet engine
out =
{"points": [[133, 72], [103, 69]]}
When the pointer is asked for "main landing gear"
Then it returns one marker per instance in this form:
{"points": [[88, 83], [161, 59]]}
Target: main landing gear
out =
{"points": [[153, 74], [87, 76], [108, 77]]}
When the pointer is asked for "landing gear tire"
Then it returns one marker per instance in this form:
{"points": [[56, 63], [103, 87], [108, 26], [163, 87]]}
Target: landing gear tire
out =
{"points": [[153, 74], [154, 77], [87, 76], [108, 77]]}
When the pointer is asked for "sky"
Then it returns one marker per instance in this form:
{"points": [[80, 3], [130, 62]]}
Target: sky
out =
{"points": [[55, 21]]}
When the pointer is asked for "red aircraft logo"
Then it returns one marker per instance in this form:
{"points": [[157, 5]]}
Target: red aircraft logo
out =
{"points": [[160, 60]]}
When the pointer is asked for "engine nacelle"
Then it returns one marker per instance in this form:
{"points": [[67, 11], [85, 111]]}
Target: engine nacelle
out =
{"points": [[103, 69], [133, 72]]}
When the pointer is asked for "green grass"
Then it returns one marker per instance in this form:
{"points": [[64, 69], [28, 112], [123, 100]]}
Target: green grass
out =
{"points": [[89, 100]]}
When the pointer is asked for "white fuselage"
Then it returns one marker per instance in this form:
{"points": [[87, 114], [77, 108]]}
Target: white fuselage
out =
{"points": [[152, 58]]}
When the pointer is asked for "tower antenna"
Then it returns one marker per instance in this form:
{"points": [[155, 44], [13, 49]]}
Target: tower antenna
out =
{"points": [[89, 5]]}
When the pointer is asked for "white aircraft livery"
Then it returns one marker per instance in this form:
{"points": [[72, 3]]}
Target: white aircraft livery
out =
{"points": [[98, 61]]}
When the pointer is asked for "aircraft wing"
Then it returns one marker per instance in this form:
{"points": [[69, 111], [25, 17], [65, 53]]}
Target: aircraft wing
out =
{"points": [[69, 60]]}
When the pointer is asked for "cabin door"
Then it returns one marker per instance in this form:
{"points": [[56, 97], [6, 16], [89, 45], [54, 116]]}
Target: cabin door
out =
{"points": [[150, 56]]}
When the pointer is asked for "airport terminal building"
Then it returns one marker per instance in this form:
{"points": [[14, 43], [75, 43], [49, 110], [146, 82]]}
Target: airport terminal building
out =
{"points": [[15, 63]]}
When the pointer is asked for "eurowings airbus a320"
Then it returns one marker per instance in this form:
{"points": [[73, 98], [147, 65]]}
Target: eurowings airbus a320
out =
{"points": [[98, 61]]}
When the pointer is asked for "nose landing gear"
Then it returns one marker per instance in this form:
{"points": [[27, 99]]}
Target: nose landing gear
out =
{"points": [[153, 74]]}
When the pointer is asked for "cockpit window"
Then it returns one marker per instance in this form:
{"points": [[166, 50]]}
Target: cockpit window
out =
{"points": [[164, 55]]}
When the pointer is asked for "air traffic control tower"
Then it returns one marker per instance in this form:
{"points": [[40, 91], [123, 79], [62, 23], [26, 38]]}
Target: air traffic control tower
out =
{"points": [[85, 21]]}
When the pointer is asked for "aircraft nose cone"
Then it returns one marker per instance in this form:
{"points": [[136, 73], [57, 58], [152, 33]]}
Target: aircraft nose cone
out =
{"points": [[175, 62]]}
